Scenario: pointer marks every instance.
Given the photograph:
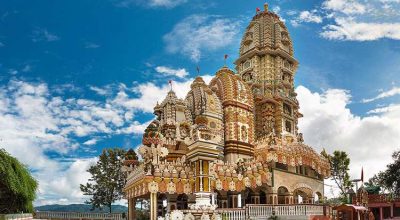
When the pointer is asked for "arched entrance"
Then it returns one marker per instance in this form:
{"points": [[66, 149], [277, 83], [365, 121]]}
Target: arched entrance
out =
{"points": [[283, 195], [182, 202], [302, 196], [162, 204], [222, 200], [263, 197], [318, 197]]}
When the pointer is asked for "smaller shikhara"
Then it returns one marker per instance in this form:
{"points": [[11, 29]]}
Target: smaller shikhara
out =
{"points": [[234, 141]]}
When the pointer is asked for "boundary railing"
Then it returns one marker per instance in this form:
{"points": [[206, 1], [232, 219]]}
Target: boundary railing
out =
{"points": [[257, 211], [26, 216], [254, 211], [77, 215]]}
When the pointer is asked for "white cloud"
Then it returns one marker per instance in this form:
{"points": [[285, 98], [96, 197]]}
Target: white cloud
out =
{"points": [[356, 20], [13, 71], [148, 94], [353, 20], [59, 186], [92, 141], [167, 71], [328, 122], [392, 92], [307, 17], [199, 33], [100, 91], [393, 108], [42, 34], [166, 3], [345, 6], [90, 45], [27, 68], [150, 3], [349, 29], [35, 122]]}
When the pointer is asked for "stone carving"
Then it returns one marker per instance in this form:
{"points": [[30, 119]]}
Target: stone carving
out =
{"points": [[176, 215], [205, 216], [171, 188], [153, 187], [189, 216]]}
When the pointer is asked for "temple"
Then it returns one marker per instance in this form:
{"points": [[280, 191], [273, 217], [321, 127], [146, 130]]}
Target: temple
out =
{"points": [[232, 143]]}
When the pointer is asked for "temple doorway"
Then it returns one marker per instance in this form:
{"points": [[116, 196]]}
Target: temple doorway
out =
{"points": [[182, 202], [283, 193]]}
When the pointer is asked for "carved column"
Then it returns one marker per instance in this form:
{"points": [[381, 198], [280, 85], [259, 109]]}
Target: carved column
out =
{"points": [[153, 206]]}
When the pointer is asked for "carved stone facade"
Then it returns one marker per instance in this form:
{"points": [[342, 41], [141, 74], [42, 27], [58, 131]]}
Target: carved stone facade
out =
{"points": [[234, 141]]}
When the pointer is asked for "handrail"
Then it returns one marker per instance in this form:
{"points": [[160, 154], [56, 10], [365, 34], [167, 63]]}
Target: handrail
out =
{"points": [[77, 215], [260, 211]]}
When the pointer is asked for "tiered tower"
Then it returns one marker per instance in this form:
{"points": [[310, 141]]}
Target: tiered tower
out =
{"points": [[267, 65], [237, 104]]}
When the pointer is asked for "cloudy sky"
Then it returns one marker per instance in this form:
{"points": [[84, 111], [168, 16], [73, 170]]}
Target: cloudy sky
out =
{"points": [[79, 76]]}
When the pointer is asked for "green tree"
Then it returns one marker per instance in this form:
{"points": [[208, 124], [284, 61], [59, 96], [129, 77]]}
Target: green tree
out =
{"points": [[17, 186], [107, 181], [339, 162], [389, 180]]}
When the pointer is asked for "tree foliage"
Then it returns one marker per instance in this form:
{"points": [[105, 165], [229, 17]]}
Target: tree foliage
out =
{"points": [[389, 180], [339, 162], [107, 181], [17, 186]]}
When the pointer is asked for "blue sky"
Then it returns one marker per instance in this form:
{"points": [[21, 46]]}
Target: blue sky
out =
{"points": [[79, 76]]}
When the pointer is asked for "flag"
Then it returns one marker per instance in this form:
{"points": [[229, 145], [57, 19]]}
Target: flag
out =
{"points": [[226, 56], [257, 10], [362, 175], [198, 69]]}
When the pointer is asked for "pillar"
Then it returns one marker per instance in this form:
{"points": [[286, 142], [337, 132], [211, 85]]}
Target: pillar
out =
{"points": [[380, 213], [153, 206], [391, 210], [132, 209], [255, 199], [291, 199]]}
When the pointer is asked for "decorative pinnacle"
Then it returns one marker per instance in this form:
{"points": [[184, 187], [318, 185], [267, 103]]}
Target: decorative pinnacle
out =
{"points": [[265, 6]]}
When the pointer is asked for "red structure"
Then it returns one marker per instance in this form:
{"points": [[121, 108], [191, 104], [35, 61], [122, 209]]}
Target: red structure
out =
{"points": [[384, 206]]}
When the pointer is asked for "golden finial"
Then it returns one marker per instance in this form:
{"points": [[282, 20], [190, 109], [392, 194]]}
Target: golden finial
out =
{"points": [[265, 6]]}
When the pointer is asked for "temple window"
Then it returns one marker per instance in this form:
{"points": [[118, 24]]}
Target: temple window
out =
{"points": [[288, 126], [244, 133], [246, 64], [247, 77], [287, 109]]}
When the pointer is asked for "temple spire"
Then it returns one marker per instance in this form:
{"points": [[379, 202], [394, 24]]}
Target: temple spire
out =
{"points": [[170, 84]]}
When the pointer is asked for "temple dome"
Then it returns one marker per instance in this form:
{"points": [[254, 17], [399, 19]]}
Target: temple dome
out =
{"points": [[231, 89], [201, 100]]}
